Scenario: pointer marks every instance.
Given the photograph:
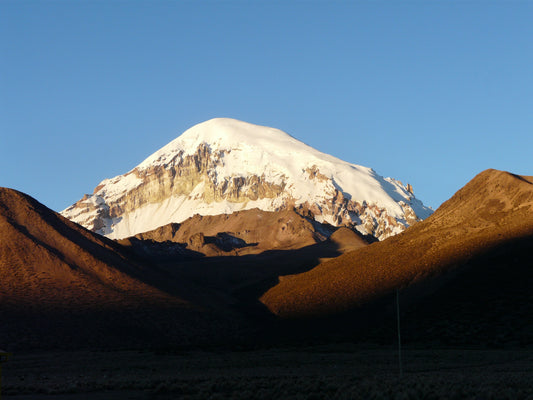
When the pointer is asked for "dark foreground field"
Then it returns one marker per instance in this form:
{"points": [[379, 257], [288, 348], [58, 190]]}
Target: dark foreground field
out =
{"points": [[340, 371]]}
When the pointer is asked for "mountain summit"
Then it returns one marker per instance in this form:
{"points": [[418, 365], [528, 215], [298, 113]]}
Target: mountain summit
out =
{"points": [[223, 165]]}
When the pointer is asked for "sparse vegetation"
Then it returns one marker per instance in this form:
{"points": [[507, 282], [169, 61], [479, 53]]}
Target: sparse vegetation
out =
{"points": [[205, 335], [336, 372]]}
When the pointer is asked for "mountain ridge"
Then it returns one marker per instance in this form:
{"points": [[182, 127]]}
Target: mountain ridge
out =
{"points": [[493, 208], [45, 247]]}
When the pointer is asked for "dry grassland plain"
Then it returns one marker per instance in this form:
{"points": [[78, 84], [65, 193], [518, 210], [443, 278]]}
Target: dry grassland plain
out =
{"points": [[333, 371]]}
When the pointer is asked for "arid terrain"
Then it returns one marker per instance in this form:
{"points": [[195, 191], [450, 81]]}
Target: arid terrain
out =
{"points": [[248, 232], [333, 371], [491, 212], [229, 307]]}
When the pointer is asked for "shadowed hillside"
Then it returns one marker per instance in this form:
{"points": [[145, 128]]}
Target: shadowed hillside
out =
{"points": [[64, 286], [465, 275], [46, 259], [488, 215]]}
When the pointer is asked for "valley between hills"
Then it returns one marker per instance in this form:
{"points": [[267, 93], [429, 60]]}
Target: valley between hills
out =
{"points": [[277, 297]]}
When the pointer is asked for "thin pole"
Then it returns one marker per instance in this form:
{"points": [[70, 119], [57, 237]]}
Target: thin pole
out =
{"points": [[399, 335]]}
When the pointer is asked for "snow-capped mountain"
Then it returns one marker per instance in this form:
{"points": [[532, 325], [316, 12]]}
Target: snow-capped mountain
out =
{"points": [[223, 165]]}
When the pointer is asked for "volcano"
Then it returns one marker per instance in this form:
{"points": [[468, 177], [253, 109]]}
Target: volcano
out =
{"points": [[224, 165]]}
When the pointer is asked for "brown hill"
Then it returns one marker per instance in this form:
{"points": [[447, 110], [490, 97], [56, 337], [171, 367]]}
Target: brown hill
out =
{"points": [[495, 209], [46, 259], [237, 256], [62, 285], [249, 232]]}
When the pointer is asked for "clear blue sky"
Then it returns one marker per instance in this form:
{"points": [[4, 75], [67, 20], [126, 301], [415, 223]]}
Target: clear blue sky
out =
{"points": [[428, 92]]}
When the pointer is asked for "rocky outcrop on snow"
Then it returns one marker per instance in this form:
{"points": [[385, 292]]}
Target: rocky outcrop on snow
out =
{"points": [[224, 165]]}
